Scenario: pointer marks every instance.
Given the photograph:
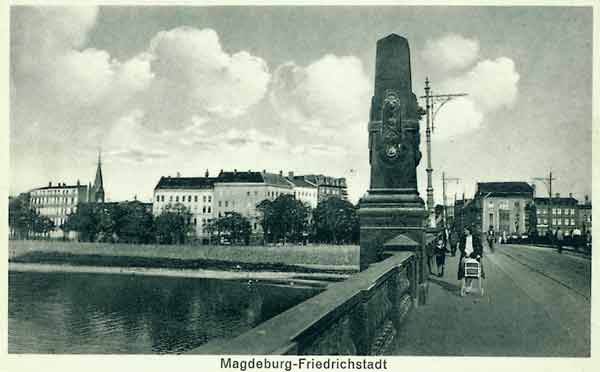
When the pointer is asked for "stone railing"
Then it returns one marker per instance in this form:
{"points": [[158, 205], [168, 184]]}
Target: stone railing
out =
{"points": [[359, 316]]}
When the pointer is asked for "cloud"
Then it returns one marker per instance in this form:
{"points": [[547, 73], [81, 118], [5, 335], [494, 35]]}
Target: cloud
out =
{"points": [[491, 85], [451, 52], [324, 96], [459, 117], [193, 68], [51, 65], [138, 155]]}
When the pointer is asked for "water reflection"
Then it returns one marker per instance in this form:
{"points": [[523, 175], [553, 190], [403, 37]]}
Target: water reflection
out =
{"points": [[108, 313]]}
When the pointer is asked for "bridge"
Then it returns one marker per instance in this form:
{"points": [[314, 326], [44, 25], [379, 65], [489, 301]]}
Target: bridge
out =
{"points": [[536, 303]]}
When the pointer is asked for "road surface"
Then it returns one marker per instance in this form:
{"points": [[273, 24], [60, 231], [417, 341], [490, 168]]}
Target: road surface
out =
{"points": [[536, 303]]}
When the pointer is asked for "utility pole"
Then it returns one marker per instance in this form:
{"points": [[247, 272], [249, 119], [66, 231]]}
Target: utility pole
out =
{"points": [[548, 182], [444, 183], [431, 112]]}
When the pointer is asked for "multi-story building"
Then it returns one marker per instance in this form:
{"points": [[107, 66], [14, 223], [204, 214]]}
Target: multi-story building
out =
{"points": [[503, 206], [326, 186], [556, 212], [58, 201], [305, 191], [214, 197], [196, 193], [584, 215], [241, 192]]}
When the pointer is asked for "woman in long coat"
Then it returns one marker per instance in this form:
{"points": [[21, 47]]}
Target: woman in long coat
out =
{"points": [[469, 246]]}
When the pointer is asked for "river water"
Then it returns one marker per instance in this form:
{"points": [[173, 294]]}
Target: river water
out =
{"points": [[111, 313]]}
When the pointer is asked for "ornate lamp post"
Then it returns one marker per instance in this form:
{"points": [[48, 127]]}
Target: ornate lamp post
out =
{"points": [[431, 112]]}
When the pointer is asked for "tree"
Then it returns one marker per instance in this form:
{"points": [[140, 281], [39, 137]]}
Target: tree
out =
{"points": [[133, 222], [336, 221], [233, 225], [173, 225], [23, 219], [284, 219]]}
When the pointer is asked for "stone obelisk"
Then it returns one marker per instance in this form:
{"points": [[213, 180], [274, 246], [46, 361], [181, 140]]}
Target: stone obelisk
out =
{"points": [[392, 215]]}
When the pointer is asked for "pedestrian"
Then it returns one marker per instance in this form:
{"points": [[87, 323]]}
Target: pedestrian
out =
{"points": [[430, 251], [491, 235], [559, 239], [440, 257], [469, 246], [454, 240]]}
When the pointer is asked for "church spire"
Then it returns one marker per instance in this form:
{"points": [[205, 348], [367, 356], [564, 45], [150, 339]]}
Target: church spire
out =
{"points": [[98, 189]]}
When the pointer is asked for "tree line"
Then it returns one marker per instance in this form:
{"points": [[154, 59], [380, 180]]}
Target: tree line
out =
{"points": [[283, 220]]}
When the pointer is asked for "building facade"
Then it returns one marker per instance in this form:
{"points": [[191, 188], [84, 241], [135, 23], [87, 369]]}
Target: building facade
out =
{"points": [[556, 212], [241, 192], [503, 206], [58, 201], [195, 193], [327, 187], [584, 215], [305, 191]]}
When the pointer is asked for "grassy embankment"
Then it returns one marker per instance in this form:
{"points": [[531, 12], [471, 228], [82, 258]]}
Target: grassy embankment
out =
{"points": [[311, 258]]}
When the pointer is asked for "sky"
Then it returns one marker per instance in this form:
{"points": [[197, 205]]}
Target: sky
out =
{"points": [[167, 90]]}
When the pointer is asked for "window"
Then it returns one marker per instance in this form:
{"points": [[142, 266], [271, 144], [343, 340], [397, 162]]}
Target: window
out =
{"points": [[157, 198], [195, 222], [254, 227], [255, 193], [204, 198], [209, 209], [177, 198], [219, 203], [209, 198], [162, 198], [203, 209], [226, 203], [248, 193], [195, 198], [572, 212], [189, 198], [219, 214]]}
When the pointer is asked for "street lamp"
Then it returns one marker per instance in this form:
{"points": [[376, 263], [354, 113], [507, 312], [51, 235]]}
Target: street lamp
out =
{"points": [[431, 112]]}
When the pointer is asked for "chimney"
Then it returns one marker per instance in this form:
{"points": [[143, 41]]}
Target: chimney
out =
{"points": [[50, 184], [206, 173], [290, 174], [587, 199], [235, 171], [570, 195], [264, 171], [221, 172], [557, 195], [280, 173], [78, 183], [178, 174]]}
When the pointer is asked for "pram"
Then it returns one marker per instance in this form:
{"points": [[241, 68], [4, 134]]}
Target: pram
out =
{"points": [[473, 271]]}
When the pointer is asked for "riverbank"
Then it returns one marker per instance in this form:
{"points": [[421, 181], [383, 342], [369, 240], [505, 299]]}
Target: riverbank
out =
{"points": [[290, 258], [319, 280]]}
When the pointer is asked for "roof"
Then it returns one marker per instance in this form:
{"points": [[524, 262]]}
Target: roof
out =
{"points": [[322, 180], [248, 177], [58, 187], [503, 188], [301, 182], [569, 200], [185, 183], [276, 180]]}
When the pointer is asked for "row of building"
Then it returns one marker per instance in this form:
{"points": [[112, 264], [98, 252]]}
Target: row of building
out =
{"points": [[513, 208], [241, 191], [205, 197]]}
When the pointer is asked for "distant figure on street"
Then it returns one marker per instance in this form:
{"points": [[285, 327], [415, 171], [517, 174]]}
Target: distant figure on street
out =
{"points": [[469, 246], [491, 236], [454, 240], [503, 237], [559, 239], [440, 257]]}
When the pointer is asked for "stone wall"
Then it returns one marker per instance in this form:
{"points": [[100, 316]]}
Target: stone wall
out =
{"points": [[359, 316]]}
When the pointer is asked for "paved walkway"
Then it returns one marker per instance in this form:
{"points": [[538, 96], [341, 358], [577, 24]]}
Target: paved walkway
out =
{"points": [[536, 303]]}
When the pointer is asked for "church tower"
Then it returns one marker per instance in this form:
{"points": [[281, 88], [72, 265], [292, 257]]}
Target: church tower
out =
{"points": [[98, 188]]}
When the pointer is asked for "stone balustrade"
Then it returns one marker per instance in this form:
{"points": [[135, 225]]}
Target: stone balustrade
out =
{"points": [[359, 316]]}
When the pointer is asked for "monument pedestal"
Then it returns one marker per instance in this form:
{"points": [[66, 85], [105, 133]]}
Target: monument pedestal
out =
{"points": [[393, 220]]}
